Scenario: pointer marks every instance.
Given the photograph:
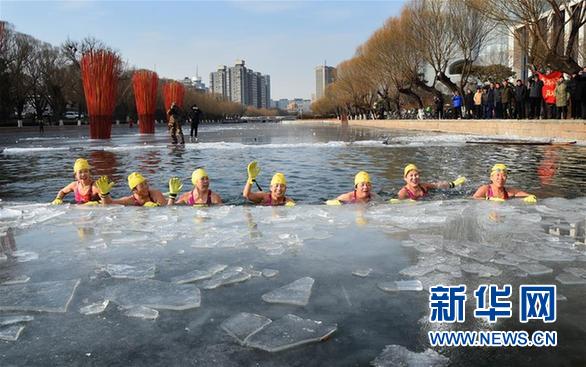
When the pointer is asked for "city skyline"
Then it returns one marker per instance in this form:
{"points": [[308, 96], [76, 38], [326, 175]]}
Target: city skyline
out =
{"points": [[284, 39]]}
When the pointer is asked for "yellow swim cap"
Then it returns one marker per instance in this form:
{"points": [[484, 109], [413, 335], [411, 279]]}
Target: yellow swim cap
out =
{"points": [[135, 179], [198, 174], [80, 164], [361, 177], [279, 178], [408, 168], [499, 167]]}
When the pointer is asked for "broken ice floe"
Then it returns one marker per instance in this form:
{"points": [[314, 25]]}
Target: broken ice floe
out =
{"points": [[535, 268], [24, 256], [155, 294], [295, 293], [10, 333], [269, 273], [481, 270], [125, 271], [231, 275], [41, 297], [397, 355], [16, 280], [142, 312], [94, 308], [259, 332], [401, 285], [199, 274], [363, 272], [15, 319], [569, 278]]}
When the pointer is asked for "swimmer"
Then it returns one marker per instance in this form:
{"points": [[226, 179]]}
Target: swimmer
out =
{"points": [[415, 190], [496, 190], [201, 193], [276, 196], [142, 195], [362, 192], [83, 187]]}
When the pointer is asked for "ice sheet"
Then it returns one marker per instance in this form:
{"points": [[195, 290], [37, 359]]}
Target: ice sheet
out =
{"points": [[242, 325], [155, 294], [295, 293], [231, 275], [94, 308], [199, 274], [15, 319], [142, 312], [401, 285], [125, 271], [40, 297], [10, 333]]}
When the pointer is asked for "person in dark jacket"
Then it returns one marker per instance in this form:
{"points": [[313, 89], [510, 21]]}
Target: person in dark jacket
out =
{"points": [[498, 101], [489, 105], [438, 102], [194, 119], [581, 90], [535, 97], [469, 103], [520, 98], [508, 99]]}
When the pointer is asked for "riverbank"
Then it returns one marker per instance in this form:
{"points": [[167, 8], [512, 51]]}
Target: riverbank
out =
{"points": [[554, 129]]}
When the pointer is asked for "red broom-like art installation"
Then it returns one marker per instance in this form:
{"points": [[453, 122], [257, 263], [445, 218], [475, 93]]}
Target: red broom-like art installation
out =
{"points": [[144, 83], [99, 71], [173, 92]]}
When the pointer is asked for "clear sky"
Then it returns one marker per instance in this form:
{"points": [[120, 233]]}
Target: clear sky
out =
{"points": [[285, 39]]}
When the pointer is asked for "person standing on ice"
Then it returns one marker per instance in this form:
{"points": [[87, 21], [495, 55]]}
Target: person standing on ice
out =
{"points": [[194, 119], [415, 189], [276, 196], [496, 190], [201, 195], [362, 192], [142, 194], [175, 124], [83, 187]]}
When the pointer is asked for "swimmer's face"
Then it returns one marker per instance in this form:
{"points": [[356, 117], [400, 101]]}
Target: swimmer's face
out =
{"points": [[83, 175], [203, 183], [142, 188], [412, 177], [364, 187], [278, 190], [499, 178]]}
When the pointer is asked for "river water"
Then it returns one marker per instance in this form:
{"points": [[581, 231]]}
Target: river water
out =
{"points": [[57, 261]]}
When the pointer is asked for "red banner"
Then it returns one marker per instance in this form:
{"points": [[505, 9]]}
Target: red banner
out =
{"points": [[549, 82]]}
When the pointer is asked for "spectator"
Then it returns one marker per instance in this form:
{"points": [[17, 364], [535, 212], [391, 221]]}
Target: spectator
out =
{"points": [[520, 98], [489, 105], [561, 99], [572, 85], [581, 91], [175, 124], [498, 101], [535, 97], [508, 99], [469, 103], [438, 102], [478, 96], [457, 104], [194, 119]]}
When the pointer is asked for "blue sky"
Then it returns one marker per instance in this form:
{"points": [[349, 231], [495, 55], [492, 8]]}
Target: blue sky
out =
{"points": [[285, 39]]}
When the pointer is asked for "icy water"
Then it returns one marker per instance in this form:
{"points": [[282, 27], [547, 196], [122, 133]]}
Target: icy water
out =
{"points": [[241, 285]]}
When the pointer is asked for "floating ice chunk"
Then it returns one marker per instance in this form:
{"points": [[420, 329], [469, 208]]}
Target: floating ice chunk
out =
{"points": [[10, 333], [15, 319], [244, 324], [397, 355], [569, 278], [94, 308], [295, 293], [269, 273], [417, 270], [288, 332], [231, 275], [535, 268], [434, 279], [546, 253], [9, 214], [142, 312], [155, 294], [363, 273], [131, 271], [24, 256], [483, 271], [199, 274], [401, 285], [579, 272], [40, 297], [16, 280]]}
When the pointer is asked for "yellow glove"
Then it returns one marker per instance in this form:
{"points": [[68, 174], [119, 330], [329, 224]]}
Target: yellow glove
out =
{"points": [[104, 185], [498, 200], [92, 203], [531, 199], [253, 171], [458, 182], [150, 204], [175, 186], [57, 201], [290, 204], [333, 202]]}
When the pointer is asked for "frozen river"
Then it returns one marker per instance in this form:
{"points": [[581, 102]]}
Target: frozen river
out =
{"points": [[304, 286]]}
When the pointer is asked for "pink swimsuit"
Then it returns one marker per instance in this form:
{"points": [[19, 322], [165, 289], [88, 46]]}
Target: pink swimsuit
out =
{"points": [[191, 200], [490, 194], [84, 198], [412, 195]]}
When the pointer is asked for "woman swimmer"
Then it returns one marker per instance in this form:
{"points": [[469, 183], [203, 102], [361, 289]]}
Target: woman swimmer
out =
{"points": [[201, 193], [142, 195], [276, 196], [362, 192], [84, 188], [496, 190], [414, 189]]}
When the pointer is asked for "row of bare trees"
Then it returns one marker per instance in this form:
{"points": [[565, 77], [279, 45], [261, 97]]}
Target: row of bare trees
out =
{"points": [[45, 78], [387, 71]]}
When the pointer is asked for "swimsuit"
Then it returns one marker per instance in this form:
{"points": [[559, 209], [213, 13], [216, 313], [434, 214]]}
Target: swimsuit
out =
{"points": [[490, 194], [84, 198], [191, 200], [137, 203], [355, 199], [412, 195], [270, 202]]}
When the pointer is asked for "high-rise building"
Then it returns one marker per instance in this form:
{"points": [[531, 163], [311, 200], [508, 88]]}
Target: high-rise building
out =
{"points": [[324, 76], [242, 85], [220, 82], [265, 91]]}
